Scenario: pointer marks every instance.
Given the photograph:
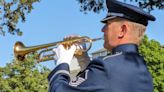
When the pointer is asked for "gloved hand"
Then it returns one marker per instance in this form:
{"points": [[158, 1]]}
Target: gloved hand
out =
{"points": [[64, 55], [84, 59]]}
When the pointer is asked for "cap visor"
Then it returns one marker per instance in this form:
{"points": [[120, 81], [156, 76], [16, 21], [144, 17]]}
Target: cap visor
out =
{"points": [[108, 18]]}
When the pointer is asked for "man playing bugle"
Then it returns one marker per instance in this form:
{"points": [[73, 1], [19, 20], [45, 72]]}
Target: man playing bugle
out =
{"points": [[122, 71]]}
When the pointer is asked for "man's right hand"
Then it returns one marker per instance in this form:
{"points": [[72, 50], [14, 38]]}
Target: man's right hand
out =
{"points": [[83, 59]]}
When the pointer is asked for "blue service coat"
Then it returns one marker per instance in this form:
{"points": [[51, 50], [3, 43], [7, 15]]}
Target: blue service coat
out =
{"points": [[123, 71]]}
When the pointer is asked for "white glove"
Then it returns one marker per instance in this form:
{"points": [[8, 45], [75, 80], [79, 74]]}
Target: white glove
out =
{"points": [[64, 55], [82, 60]]}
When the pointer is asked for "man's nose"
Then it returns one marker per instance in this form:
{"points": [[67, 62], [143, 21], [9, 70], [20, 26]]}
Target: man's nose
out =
{"points": [[103, 29]]}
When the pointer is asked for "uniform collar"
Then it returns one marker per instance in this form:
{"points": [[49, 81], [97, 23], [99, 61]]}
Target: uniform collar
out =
{"points": [[125, 48]]}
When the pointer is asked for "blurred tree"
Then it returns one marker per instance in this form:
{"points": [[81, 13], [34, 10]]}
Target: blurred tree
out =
{"points": [[154, 56], [98, 5], [26, 76], [11, 12], [29, 76]]}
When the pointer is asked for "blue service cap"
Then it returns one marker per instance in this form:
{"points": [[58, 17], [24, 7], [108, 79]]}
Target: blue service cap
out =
{"points": [[127, 11]]}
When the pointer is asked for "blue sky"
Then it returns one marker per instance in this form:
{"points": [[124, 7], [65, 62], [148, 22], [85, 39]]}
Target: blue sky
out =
{"points": [[51, 20]]}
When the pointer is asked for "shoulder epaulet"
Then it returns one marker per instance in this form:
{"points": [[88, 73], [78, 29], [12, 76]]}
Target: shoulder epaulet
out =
{"points": [[113, 55]]}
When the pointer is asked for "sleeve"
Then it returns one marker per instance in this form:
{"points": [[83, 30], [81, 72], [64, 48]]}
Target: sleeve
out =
{"points": [[93, 79]]}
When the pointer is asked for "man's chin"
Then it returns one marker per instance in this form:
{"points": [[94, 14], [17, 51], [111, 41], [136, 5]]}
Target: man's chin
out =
{"points": [[105, 46]]}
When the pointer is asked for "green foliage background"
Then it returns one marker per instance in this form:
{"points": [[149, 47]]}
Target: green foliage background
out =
{"points": [[154, 55], [25, 76], [29, 76]]}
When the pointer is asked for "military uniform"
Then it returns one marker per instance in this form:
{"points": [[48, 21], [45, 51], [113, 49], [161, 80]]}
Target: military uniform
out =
{"points": [[123, 71]]}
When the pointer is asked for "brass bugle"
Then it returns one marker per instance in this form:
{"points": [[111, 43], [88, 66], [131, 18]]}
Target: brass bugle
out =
{"points": [[20, 50]]}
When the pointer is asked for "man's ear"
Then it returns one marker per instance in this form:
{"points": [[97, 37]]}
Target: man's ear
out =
{"points": [[123, 31]]}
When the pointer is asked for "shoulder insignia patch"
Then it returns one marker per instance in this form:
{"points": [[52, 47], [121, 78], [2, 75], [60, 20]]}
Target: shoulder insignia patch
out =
{"points": [[79, 79]]}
